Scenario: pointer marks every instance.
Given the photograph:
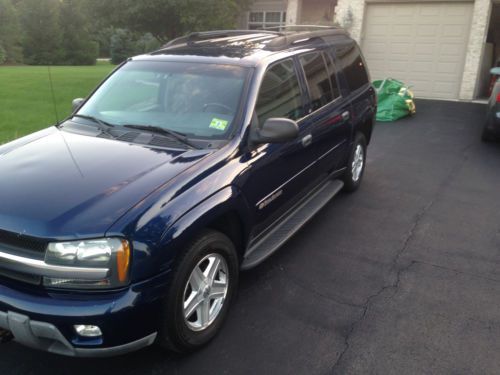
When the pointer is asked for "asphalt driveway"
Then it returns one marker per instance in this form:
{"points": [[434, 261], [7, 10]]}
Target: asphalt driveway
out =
{"points": [[402, 277]]}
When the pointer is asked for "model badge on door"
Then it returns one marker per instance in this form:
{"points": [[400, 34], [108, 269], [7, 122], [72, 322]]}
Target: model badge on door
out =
{"points": [[267, 201]]}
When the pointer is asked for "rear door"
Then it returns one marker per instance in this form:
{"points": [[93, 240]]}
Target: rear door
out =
{"points": [[357, 87], [329, 113]]}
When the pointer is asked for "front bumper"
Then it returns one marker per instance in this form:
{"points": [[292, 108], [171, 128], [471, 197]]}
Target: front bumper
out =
{"points": [[129, 319], [46, 336]]}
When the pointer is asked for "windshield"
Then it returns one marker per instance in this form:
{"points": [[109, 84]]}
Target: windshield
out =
{"points": [[198, 100]]}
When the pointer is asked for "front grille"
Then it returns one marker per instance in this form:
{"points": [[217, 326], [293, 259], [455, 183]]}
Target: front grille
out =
{"points": [[22, 242], [23, 277]]}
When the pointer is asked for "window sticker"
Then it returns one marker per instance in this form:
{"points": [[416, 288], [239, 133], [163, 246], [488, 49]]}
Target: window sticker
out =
{"points": [[219, 124]]}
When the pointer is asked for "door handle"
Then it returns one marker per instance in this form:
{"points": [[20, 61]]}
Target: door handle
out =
{"points": [[307, 140], [346, 115]]}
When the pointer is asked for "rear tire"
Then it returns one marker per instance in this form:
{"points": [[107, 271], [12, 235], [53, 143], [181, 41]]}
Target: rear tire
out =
{"points": [[198, 300], [487, 136], [356, 165]]}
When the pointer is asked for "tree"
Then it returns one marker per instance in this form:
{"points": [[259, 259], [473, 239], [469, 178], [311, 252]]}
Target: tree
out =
{"points": [[123, 45], [40, 21], [77, 47], [10, 32], [167, 19]]}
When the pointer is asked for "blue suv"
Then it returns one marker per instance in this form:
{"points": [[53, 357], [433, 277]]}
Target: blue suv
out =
{"points": [[128, 223]]}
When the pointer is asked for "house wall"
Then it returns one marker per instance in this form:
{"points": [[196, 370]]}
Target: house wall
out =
{"points": [[317, 12], [263, 5]]}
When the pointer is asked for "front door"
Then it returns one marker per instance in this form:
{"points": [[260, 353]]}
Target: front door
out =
{"points": [[279, 173]]}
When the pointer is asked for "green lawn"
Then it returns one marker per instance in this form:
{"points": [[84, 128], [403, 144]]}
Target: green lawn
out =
{"points": [[26, 103]]}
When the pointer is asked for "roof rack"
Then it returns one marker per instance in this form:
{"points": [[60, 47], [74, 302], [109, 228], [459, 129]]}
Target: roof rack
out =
{"points": [[200, 36], [288, 36], [302, 28]]}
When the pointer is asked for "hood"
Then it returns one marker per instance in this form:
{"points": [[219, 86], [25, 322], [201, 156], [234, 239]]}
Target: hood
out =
{"points": [[61, 185]]}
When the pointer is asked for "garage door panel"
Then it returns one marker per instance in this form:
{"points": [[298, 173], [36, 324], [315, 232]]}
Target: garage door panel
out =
{"points": [[434, 10], [378, 30], [450, 49], [400, 49], [422, 66], [423, 44], [450, 68], [427, 30], [455, 31], [402, 30]]}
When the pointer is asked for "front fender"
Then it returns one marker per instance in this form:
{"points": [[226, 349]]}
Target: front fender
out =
{"points": [[157, 243]]}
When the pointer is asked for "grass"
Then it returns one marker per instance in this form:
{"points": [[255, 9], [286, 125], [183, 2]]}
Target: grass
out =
{"points": [[26, 103]]}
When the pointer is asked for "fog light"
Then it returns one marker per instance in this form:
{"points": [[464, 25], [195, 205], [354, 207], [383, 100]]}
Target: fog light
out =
{"points": [[88, 331]]}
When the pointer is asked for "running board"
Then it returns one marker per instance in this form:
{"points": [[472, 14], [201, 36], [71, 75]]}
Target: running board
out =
{"points": [[290, 224]]}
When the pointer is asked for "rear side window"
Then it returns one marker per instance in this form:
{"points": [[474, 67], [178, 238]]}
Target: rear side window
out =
{"points": [[353, 66], [280, 94], [332, 70], [318, 79]]}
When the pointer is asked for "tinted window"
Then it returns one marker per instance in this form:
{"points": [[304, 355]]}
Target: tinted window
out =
{"points": [[332, 70], [280, 94], [352, 66], [317, 78]]}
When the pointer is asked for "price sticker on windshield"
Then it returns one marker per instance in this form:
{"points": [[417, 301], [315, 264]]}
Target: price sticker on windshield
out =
{"points": [[219, 124]]}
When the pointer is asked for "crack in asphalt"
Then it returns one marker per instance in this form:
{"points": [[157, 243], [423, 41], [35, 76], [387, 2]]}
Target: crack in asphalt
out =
{"points": [[313, 291], [457, 272], [409, 238]]}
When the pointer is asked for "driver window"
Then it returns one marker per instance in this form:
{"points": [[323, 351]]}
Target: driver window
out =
{"points": [[280, 94]]}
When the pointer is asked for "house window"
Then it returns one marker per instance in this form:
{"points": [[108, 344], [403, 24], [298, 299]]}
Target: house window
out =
{"points": [[266, 20]]}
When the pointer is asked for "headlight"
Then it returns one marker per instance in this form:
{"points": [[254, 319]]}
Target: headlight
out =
{"points": [[111, 254]]}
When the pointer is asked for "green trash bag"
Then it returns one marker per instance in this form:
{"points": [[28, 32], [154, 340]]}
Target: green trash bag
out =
{"points": [[395, 100]]}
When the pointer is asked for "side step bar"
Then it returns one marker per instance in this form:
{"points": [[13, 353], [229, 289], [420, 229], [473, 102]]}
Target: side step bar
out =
{"points": [[290, 224]]}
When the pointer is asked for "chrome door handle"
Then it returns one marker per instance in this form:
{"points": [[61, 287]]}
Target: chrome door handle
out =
{"points": [[346, 115], [307, 140]]}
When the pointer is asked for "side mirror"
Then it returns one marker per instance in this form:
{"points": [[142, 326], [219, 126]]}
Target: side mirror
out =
{"points": [[495, 71], [276, 130], [77, 103]]}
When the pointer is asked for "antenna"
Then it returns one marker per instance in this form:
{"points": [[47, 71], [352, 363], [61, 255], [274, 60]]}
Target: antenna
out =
{"points": [[53, 95]]}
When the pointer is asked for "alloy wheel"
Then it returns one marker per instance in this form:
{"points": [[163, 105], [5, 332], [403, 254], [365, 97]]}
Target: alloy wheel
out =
{"points": [[205, 292]]}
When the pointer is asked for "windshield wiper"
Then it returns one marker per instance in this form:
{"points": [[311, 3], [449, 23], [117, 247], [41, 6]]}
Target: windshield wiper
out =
{"points": [[159, 130], [102, 125]]}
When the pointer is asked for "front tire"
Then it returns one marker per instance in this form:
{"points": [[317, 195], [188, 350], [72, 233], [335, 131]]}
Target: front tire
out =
{"points": [[356, 164], [204, 282]]}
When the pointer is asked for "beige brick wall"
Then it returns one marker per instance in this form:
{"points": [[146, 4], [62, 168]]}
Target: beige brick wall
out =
{"points": [[477, 38], [349, 15]]}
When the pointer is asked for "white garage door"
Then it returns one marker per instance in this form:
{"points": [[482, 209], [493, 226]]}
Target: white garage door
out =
{"points": [[422, 44]]}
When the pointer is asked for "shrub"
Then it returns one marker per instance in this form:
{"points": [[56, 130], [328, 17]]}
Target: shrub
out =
{"points": [[147, 43], [3, 55]]}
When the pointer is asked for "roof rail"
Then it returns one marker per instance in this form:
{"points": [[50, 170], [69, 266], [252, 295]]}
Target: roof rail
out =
{"points": [[199, 36], [289, 39], [302, 27]]}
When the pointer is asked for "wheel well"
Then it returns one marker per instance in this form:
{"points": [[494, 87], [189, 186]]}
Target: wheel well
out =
{"points": [[230, 224], [366, 128]]}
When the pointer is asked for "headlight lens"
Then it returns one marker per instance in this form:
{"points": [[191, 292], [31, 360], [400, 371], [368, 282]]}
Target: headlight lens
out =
{"points": [[107, 253]]}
